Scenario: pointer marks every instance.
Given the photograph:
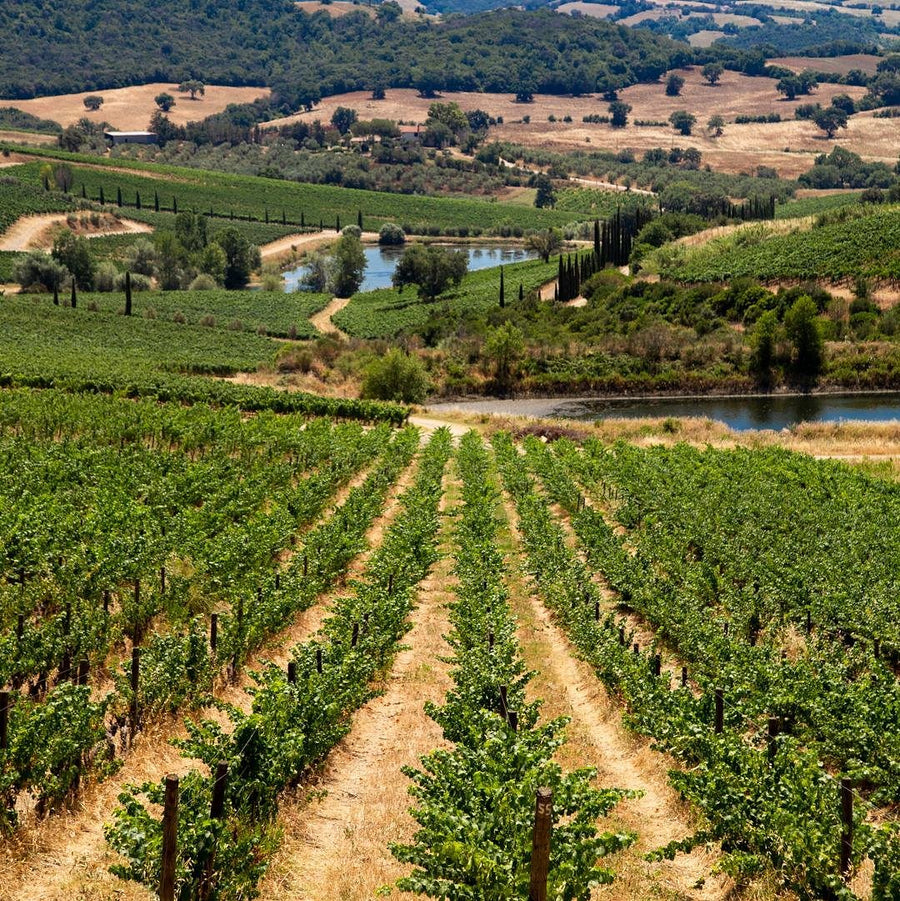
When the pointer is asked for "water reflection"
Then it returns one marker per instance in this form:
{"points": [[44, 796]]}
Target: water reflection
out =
{"points": [[742, 413], [382, 261]]}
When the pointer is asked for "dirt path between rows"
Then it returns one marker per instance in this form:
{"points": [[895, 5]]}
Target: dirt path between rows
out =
{"points": [[66, 855], [336, 845], [293, 244], [597, 737], [321, 321], [30, 232]]}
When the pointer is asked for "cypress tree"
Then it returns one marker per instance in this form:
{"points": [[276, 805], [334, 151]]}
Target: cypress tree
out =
{"points": [[556, 293], [56, 295], [337, 224], [83, 191], [118, 197], [102, 198], [156, 201], [359, 219], [175, 205], [137, 200], [597, 238], [521, 293], [267, 215], [127, 293], [502, 290], [74, 300], [283, 218], [302, 220]]}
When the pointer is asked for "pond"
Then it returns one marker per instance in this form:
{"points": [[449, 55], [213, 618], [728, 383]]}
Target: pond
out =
{"points": [[741, 413], [382, 261]]}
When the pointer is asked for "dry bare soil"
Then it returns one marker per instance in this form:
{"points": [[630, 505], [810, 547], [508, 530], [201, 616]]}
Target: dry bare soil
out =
{"points": [[788, 146], [130, 109]]}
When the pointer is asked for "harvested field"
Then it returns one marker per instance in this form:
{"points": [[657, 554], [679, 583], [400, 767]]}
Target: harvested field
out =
{"points": [[890, 17], [839, 64], [130, 109], [597, 10], [705, 38], [788, 146], [25, 137], [335, 10]]}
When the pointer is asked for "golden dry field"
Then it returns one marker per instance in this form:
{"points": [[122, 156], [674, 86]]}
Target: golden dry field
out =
{"points": [[130, 109]]}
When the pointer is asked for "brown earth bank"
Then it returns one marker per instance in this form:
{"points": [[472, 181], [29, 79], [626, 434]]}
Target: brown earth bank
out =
{"points": [[130, 109]]}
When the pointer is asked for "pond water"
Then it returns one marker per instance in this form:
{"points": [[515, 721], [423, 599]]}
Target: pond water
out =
{"points": [[739, 412], [382, 261]]}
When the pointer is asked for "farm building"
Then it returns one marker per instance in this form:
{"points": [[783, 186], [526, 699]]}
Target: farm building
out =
{"points": [[130, 137]]}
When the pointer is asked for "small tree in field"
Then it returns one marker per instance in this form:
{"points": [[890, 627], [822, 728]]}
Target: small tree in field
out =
{"points": [[830, 120], [715, 126], [544, 243], [682, 121], [342, 118], [164, 101], [193, 87], [712, 72], [93, 102], [674, 84], [618, 113]]}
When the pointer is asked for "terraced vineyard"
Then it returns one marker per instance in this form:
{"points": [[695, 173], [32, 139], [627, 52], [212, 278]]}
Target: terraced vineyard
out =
{"points": [[240, 584]]}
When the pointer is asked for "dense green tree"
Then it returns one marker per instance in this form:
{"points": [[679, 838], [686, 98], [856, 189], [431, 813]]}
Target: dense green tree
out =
{"points": [[618, 113], [342, 118], [432, 269], [546, 195], [674, 84], [164, 101], [712, 72], [716, 125], [93, 102], [75, 254], [682, 121], [241, 257], [347, 266], [763, 342], [802, 327]]}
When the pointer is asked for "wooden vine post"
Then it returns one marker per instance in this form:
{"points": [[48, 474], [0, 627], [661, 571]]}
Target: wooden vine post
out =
{"points": [[720, 712], [169, 840], [4, 720], [216, 812], [846, 827], [540, 845], [135, 680]]}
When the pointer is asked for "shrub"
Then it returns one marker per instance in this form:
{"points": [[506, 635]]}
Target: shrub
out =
{"points": [[396, 376], [105, 277], [203, 282], [40, 272], [139, 282]]}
